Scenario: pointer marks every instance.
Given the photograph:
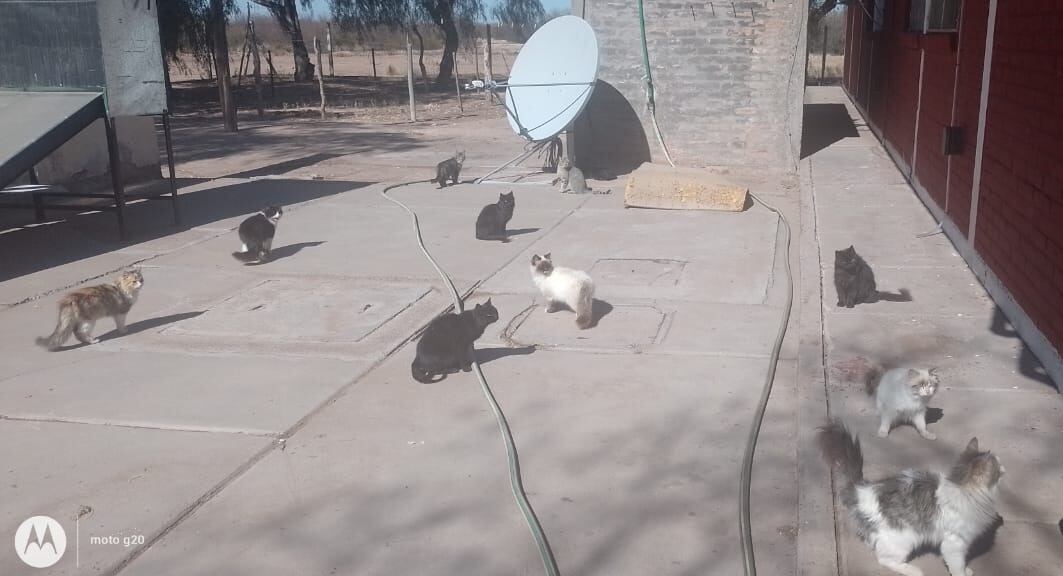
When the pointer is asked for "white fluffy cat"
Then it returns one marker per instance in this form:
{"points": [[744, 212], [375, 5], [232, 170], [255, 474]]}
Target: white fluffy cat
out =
{"points": [[564, 287], [898, 514], [902, 394]]}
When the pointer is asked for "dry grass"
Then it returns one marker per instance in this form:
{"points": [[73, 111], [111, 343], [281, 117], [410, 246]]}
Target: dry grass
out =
{"points": [[834, 70]]}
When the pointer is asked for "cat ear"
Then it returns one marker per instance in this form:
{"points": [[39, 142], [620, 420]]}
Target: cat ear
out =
{"points": [[536, 259], [933, 371], [972, 446], [914, 376], [546, 256], [488, 303]]}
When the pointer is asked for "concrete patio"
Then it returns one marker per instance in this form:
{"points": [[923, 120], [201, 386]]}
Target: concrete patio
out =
{"points": [[262, 419]]}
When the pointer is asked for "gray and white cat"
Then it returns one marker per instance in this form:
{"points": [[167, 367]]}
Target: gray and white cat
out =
{"points": [[449, 169], [901, 395], [571, 179], [899, 514]]}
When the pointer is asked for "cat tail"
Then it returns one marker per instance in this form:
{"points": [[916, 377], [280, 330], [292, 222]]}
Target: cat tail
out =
{"points": [[872, 378], [585, 306], [841, 449], [902, 295], [63, 328], [420, 374], [248, 256]]}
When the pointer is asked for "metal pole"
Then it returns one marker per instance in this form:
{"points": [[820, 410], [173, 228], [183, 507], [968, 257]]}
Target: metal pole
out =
{"points": [[372, 54], [409, 75], [823, 64], [169, 162], [116, 173]]}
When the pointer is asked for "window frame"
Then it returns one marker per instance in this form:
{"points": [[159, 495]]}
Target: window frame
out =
{"points": [[928, 8]]}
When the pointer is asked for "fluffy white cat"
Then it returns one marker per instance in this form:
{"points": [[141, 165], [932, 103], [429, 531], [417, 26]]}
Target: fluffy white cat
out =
{"points": [[564, 287]]}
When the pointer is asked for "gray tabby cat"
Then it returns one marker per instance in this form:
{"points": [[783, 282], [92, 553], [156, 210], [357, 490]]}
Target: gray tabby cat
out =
{"points": [[855, 281], [572, 180], [902, 394], [902, 513], [449, 169]]}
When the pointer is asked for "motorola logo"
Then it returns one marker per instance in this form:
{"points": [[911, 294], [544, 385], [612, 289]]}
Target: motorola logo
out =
{"points": [[40, 541]]}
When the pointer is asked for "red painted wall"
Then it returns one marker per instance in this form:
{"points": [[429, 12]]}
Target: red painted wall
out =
{"points": [[1020, 213], [1019, 232]]}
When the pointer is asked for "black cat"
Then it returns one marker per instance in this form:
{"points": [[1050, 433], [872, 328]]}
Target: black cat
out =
{"points": [[491, 223], [855, 281], [447, 344], [449, 169], [257, 233]]}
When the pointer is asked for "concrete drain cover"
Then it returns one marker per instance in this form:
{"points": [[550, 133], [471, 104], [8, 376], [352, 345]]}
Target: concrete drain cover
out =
{"points": [[619, 327], [637, 272], [301, 311]]}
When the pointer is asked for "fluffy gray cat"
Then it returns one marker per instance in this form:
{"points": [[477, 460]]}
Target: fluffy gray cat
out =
{"points": [[901, 395], [899, 514]]}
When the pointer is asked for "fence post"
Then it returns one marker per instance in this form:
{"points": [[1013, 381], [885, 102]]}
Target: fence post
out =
{"points": [[372, 54], [320, 75], [328, 37], [409, 74], [823, 62], [457, 84]]}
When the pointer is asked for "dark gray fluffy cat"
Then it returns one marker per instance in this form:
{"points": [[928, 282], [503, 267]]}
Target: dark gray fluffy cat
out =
{"points": [[855, 281], [449, 169], [491, 223], [899, 514], [447, 344]]}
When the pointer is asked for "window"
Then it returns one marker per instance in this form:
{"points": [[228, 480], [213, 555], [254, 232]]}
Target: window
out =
{"points": [[933, 16]]}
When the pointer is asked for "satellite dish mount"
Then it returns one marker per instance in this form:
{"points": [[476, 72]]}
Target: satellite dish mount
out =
{"points": [[551, 82]]}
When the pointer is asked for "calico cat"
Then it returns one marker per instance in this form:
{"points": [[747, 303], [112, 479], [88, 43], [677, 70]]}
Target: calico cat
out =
{"points": [[257, 233], [902, 513], [449, 169], [571, 179], [564, 287], [447, 343], [902, 394], [491, 223], [79, 310], [855, 281]]}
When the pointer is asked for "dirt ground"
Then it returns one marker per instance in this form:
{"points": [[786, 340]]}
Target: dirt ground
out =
{"points": [[353, 93]]}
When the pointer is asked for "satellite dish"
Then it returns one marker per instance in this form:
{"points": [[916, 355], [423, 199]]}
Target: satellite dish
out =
{"points": [[552, 78]]}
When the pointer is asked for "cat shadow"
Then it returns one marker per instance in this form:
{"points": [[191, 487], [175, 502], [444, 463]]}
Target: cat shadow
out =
{"points": [[934, 415], [519, 231], [599, 309], [286, 251], [149, 324], [485, 355]]}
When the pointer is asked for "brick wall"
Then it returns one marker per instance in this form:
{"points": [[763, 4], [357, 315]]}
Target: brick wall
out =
{"points": [[1019, 228], [728, 90]]}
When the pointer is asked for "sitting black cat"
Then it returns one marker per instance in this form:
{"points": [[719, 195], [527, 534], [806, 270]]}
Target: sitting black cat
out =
{"points": [[491, 224], [855, 281], [447, 344]]}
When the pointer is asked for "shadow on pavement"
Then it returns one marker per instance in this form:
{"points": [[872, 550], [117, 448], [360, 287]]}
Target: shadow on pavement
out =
{"points": [[33, 248]]}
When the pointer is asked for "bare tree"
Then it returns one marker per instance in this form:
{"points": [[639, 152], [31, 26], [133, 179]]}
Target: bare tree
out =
{"points": [[449, 15], [817, 9], [287, 16], [217, 22], [523, 16]]}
